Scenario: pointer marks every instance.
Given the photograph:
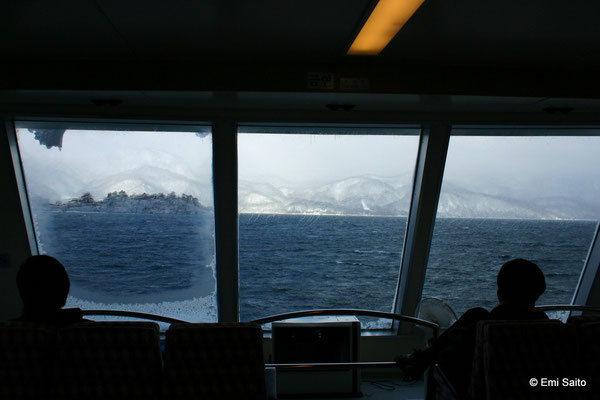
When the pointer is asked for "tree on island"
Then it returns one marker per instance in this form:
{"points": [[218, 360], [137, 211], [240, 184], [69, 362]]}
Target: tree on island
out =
{"points": [[85, 198], [120, 194], [122, 202]]}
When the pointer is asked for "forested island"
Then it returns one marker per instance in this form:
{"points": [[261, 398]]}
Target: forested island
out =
{"points": [[121, 202]]}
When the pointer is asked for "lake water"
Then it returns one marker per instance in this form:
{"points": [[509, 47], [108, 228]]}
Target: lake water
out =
{"points": [[164, 263]]}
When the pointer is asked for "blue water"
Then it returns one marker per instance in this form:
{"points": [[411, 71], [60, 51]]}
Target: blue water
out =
{"points": [[121, 257], [467, 253], [301, 262], [291, 262]]}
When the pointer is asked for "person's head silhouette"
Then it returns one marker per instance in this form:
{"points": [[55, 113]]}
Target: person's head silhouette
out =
{"points": [[43, 285], [520, 282]]}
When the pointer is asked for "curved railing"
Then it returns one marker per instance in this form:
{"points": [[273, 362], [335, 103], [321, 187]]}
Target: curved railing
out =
{"points": [[279, 317], [366, 364], [568, 307], [134, 314], [346, 311]]}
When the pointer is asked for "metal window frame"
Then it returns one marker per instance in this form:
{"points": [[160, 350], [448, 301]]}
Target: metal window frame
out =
{"points": [[429, 172], [433, 147]]}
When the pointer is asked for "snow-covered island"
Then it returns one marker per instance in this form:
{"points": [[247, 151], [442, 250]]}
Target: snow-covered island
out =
{"points": [[121, 202]]}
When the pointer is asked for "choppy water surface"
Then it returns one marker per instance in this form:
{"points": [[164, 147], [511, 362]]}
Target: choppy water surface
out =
{"points": [[292, 262]]}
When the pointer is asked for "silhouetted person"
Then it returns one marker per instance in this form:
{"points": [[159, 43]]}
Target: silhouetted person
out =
{"points": [[44, 286], [520, 284]]}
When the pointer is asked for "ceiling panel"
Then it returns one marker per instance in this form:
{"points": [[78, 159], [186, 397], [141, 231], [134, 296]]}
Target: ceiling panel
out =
{"points": [[541, 34], [508, 32], [233, 28], [62, 29]]}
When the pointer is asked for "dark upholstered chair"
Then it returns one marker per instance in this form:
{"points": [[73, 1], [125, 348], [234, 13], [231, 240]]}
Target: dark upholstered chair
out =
{"points": [[509, 354], [108, 360], [26, 352], [578, 320], [589, 341], [214, 361]]}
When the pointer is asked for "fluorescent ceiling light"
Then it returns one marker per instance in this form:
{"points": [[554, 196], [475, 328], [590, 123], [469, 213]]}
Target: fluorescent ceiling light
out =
{"points": [[386, 19]]}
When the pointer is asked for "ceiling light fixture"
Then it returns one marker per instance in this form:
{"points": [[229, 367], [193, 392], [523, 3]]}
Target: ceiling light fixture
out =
{"points": [[386, 19]]}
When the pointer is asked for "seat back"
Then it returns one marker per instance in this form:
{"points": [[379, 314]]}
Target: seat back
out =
{"points": [[589, 340], [105, 360], [214, 361], [26, 352], [578, 320], [509, 354]]}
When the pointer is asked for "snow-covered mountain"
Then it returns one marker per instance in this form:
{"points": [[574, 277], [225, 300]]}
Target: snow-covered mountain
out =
{"points": [[370, 195], [351, 196], [360, 195]]}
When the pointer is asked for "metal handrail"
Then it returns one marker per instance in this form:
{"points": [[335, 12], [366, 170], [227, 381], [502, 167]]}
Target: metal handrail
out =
{"points": [[279, 317], [345, 311], [332, 311], [134, 314], [567, 307], [364, 364]]}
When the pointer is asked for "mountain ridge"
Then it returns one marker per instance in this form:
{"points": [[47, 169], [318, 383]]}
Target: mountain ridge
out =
{"points": [[372, 196], [358, 196]]}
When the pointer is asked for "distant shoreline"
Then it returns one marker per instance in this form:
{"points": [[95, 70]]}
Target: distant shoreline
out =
{"points": [[405, 216], [210, 209]]}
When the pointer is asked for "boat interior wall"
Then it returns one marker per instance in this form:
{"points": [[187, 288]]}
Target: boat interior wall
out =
{"points": [[14, 239], [296, 107], [375, 76]]}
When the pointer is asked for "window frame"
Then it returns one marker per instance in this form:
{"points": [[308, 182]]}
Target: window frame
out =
{"points": [[341, 129], [432, 149], [89, 125]]}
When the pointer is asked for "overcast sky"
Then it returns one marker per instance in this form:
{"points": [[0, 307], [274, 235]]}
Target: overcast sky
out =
{"points": [[324, 158], [551, 165], [91, 158]]}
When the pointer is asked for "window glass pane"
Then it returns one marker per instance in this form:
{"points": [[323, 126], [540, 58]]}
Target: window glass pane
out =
{"points": [[322, 220], [509, 197], [129, 214]]}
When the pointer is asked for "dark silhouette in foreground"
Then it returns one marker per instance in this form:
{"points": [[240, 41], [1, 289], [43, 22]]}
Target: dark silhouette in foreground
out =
{"points": [[520, 284], [44, 286]]}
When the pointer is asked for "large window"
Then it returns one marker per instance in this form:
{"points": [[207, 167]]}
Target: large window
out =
{"points": [[505, 197], [128, 212], [322, 218], [322, 215]]}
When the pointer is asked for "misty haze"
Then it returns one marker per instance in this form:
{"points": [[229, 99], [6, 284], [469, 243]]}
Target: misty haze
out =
{"points": [[485, 177]]}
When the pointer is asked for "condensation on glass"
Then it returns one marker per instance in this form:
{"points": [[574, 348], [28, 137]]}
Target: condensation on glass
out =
{"points": [[506, 197], [322, 215], [129, 212]]}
